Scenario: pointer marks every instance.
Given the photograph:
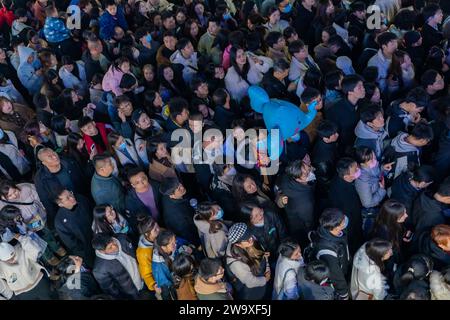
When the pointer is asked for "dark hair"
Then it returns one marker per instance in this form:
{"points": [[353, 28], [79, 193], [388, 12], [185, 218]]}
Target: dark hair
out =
{"points": [[40, 101], [309, 94], [280, 65], [429, 11], [313, 78], [296, 46], [247, 207], [350, 82], [289, 32], [134, 171], [205, 212], [65, 269], [101, 240], [370, 74], [424, 173], [182, 267], [444, 188], [58, 124], [127, 81], [370, 113], [332, 79], [5, 185], [416, 292], [273, 37], [287, 248], [386, 221], [418, 267], [72, 150], [384, 38], [177, 105], [100, 222], [343, 166], [208, 268], [233, 54], [196, 82], [317, 271], [428, 78], [422, 131], [146, 223], [84, 121], [326, 129], [168, 186], [363, 154], [376, 249], [182, 43], [405, 19], [370, 88], [238, 190], [162, 240], [220, 96], [331, 218], [294, 169]]}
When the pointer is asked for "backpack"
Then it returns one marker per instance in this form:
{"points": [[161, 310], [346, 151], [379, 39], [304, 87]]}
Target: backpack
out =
{"points": [[312, 251]]}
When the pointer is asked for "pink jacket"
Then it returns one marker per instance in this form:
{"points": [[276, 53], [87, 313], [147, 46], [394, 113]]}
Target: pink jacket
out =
{"points": [[111, 81], [226, 63]]}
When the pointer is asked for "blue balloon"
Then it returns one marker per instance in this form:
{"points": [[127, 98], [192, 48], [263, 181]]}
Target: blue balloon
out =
{"points": [[282, 115]]}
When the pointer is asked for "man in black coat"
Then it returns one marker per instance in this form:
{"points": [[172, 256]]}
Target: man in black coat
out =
{"points": [[303, 22], [223, 113], [116, 269], [95, 58], [178, 214], [331, 246], [343, 196], [407, 186], [433, 16], [343, 112], [142, 198], [56, 174], [73, 223], [298, 185], [441, 160], [431, 209], [275, 82]]}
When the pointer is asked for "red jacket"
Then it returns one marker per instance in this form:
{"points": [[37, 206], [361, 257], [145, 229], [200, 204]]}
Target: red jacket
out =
{"points": [[103, 133], [6, 16]]}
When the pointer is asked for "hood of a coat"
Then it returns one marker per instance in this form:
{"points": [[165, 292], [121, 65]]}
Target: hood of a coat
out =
{"points": [[439, 289], [144, 243], [201, 225], [363, 131], [370, 174], [24, 53], [400, 145], [110, 256], [203, 287]]}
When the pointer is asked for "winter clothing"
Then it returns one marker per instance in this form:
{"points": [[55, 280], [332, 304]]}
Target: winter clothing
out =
{"points": [[134, 205], [427, 213], [403, 191], [55, 30], [403, 153], [428, 247], [440, 290], [441, 160], [382, 64], [211, 291], [367, 137], [144, 256], [310, 290], [190, 64], [111, 81], [88, 287], [27, 71], [17, 120], [109, 22], [368, 187], [108, 190], [72, 81], [214, 244], [11, 150], [297, 69], [285, 285]]}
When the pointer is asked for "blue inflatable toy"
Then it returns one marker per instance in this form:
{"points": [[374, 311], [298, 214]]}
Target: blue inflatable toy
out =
{"points": [[288, 118]]}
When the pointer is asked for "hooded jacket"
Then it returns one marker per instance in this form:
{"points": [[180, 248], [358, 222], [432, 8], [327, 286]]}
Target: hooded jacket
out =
{"points": [[367, 277], [403, 191], [144, 256], [27, 72], [111, 81], [440, 290], [403, 152], [309, 290], [297, 69], [190, 65], [344, 115], [10, 91], [118, 274], [368, 187], [367, 137], [382, 64], [214, 244], [26, 273], [398, 121], [427, 213], [211, 291], [427, 246]]}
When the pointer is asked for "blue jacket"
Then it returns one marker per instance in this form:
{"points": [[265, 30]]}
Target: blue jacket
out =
{"points": [[55, 30], [27, 71], [161, 272], [109, 22]]}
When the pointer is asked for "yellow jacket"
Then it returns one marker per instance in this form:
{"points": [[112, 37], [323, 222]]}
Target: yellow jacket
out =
{"points": [[144, 254]]}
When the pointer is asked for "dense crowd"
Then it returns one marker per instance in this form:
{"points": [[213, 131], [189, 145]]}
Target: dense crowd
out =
{"points": [[95, 102]]}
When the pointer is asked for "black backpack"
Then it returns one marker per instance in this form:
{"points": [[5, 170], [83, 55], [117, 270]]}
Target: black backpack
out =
{"points": [[312, 251]]}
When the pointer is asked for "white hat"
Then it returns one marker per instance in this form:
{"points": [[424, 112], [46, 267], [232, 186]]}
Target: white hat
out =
{"points": [[6, 251]]}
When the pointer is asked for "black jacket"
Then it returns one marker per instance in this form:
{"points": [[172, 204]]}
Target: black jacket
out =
{"points": [[427, 213], [343, 196], [222, 194], [112, 277], [300, 207], [88, 287], [339, 262], [74, 228], [47, 184], [441, 161], [179, 218], [324, 157], [344, 115], [403, 191], [134, 205], [274, 87], [303, 24], [431, 37], [428, 247], [223, 118], [92, 66], [271, 234]]}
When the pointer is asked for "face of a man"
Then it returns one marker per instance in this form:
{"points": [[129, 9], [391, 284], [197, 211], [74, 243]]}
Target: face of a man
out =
{"points": [[90, 129]]}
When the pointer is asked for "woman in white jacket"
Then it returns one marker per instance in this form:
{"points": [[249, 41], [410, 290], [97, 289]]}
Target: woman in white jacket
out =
{"points": [[9, 148], [245, 72], [368, 281], [73, 75], [289, 262], [123, 149]]}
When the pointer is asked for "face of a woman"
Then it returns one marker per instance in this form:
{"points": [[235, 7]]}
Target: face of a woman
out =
{"points": [[68, 67], [125, 67], [257, 216], [149, 75], [161, 151], [152, 235], [168, 74], [330, 8], [325, 37], [181, 18], [274, 17], [7, 107], [238, 133], [170, 247], [199, 9], [75, 97], [13, 194], [387, 255], [403, 217], [203, 110], [250, 186], [110, 214], [241, 58], [406, 62], [297, 254], [157, 21], [194, 30], [376, 98], [144, 121], [170, 42], [53, 60]]}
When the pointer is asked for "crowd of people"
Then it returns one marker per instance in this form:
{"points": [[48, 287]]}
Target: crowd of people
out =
{"points": [[93, 204]]}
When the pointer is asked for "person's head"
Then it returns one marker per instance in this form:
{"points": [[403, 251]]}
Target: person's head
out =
{"points": [[273, 15], [421, 135], [157, 148], [111, 7], [104, 217], [379, 251], [327, 33], [196, 121], [179, 110], [373, 93], [300, 171], [353, 87], [317, 271], [334, 221], [413, 39], [49, 158], [105, 243], [420, 97], [333, 80], [166, 242], [348, 169], [6, 106], [373, 117], [200, 87], [123, 104], [308, 3], [60, 124], [400, 61], [387, 42], [153, 101], [290, 35], [65, 199], [310, 95], [299, 50], [148, 227], [199, 8], [95, 46], [358, 9], [410, 106], [170, 40], [172, 188], [183, 266], [211, 270], [365, 157], [221, 97], [239, 236], [290, 249], [68, 266], [335, 43], [328, 131], [440, 235], [141, 119], [253, 213], [138, 179], [168, 20], [432, 14], [443, 192], [51, 11], [432, 81], [67, 63], [275, 40], [9, 190], [418, 267], [423, 176], [210, 212], [244, 185], [213, 26], [416, 292], [192, 29], [280, 69], [103, 165], [87, 126]]}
